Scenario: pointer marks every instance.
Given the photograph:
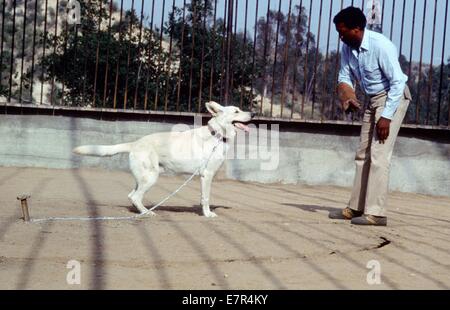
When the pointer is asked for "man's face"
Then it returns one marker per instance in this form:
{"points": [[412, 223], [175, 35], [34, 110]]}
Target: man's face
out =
{"points": [[351, 37]]}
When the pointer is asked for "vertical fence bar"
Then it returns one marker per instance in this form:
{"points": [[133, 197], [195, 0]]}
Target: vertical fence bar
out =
{"points": [[202, 58], [392, 19], [149, 56], [23, 48], [412, 44], [336, 72], [442, 67], [266, 33], [403, 24], [360, 113], [169, 65], [228, 53], [64, 53], [158, 74], [97, 51], [136, 87], [223, 47], [3, 40], [286, 49], [430, 75], [322, 110], [420, 64], [105, 84], [153, 15], [86, 56], [297, 55], [255, 31], [181, 57], [125, 97], [314, 78], [245, 54], [211, 75], [232, 42], [75, 45], [382, 15], [43, 50], [305, 70], [54, 54], [231, 36], [118, 57], [272, 95], [33, 51], [11, 69], [225, 59], [191, 69]]}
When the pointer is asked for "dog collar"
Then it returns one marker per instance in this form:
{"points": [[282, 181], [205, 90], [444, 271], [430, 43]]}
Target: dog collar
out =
{"points": [[215, 134]]}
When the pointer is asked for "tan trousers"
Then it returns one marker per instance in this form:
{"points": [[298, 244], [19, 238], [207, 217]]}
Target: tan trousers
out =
{"points": [[373, 159]]}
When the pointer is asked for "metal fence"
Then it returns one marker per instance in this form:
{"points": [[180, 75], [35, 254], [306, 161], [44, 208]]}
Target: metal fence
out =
{"points": [[277, 57]]}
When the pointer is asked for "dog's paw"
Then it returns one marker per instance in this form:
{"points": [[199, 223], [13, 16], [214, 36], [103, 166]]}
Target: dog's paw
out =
{"points": [[210, 214]]}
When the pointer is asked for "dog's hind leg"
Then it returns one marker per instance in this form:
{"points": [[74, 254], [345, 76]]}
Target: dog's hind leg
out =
{"points": [[144, 167], [206, 180], [132, 192]]}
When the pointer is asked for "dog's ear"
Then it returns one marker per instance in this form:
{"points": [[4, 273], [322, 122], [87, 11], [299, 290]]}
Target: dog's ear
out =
{"points": [[213, 107]]}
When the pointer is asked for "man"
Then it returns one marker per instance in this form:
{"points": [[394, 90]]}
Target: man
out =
{"points": [[372, 59]]}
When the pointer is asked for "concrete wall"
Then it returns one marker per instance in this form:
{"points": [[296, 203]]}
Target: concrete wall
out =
{"points": [[310, 154]]}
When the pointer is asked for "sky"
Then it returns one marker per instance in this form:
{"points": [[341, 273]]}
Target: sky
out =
{"points": [[391, 29]]}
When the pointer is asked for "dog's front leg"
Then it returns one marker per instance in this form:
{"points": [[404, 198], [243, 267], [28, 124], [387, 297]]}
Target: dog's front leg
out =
{"points": [[206, 180]]}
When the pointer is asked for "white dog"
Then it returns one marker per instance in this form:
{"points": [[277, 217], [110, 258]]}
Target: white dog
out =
{"points": [[179, 152]]}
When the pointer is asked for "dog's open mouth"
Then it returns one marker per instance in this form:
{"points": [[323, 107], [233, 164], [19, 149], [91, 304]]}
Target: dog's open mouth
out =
{"points": [[241, 126]]}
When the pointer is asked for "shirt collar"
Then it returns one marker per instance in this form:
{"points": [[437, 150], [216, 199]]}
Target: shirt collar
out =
{"points": [[365, 42]]}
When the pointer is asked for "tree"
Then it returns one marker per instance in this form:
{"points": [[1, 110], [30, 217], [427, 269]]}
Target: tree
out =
{"points": [[288, 68], [106, 66], [201, 48], [18, 23]]}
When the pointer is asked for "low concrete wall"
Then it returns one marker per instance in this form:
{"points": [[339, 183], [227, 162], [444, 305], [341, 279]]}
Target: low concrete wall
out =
{"points": [[308, 153]]}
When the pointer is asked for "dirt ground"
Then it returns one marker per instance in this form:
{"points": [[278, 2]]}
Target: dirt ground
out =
{"points": [[265, 237]]}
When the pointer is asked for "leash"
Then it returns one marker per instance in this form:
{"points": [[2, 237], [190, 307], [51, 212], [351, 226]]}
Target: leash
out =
{"points": [[133, 217]]}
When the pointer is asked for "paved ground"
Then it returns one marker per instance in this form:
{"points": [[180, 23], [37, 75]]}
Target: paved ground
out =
{"points": [[266, 237]]}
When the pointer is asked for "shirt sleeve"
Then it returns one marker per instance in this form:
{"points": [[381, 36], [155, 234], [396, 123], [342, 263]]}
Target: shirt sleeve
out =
{"points": [[345, 75], [389, 64]]}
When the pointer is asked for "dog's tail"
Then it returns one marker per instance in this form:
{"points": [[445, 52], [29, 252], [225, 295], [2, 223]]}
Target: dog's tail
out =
{"points": [[103, 150]]}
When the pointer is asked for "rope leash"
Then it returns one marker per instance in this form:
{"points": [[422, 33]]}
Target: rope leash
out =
{"points": [[133, 217]]}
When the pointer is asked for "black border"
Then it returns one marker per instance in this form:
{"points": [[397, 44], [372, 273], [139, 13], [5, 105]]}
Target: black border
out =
{"points": [[158, 298]]}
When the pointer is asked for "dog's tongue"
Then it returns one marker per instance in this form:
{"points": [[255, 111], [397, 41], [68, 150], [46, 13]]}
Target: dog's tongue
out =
{"points": [[242, 126]]}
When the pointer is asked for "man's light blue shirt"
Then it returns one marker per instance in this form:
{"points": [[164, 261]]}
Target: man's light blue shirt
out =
{"points": [[375, 65]]}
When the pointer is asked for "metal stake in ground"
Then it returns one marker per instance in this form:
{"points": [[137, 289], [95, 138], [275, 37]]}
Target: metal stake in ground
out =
{"points": [[23, 202]]}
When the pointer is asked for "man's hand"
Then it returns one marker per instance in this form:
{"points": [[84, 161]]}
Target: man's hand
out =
{"points": [[351, 105], [347, 98], [383, 129]]}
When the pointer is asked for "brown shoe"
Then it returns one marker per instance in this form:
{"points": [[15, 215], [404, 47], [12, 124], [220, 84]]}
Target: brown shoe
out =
{"points": [[344, 214], [370, 220]]}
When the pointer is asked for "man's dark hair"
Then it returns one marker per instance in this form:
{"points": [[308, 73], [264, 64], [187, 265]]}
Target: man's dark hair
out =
{"points": [[351, 17]]}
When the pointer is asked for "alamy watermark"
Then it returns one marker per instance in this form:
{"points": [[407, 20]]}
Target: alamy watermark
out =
{"points": [[374, 275], [261, 144], [73, 12], [74, 275]]}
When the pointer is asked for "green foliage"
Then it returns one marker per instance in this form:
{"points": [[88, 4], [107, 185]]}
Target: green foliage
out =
{"points": [[203, 59], [106, 67]]}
